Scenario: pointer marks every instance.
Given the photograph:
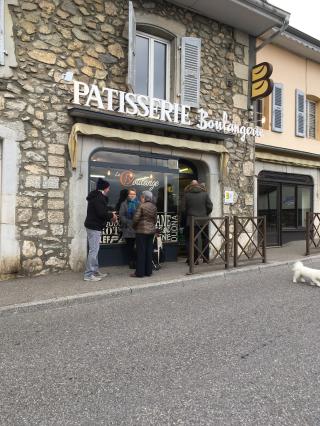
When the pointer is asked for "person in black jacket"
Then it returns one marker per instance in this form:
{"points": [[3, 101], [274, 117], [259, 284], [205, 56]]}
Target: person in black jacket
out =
{"points": [[98, 214]]}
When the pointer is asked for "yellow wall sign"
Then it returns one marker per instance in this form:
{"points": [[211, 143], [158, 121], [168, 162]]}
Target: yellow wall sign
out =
{"points": [[262, 85]]}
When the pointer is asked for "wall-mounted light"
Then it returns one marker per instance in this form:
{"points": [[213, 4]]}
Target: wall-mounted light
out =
{"points": [[67, 76]]}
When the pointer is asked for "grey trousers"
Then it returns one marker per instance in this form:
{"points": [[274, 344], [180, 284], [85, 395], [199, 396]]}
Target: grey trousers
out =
{"points": [[92, 265]]}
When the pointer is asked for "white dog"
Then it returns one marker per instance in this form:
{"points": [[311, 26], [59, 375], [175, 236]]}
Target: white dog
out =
{"points": [[300, 273]]}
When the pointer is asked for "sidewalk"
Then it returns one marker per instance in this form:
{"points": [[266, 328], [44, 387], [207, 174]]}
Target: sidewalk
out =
{"points": [[67, 287]]}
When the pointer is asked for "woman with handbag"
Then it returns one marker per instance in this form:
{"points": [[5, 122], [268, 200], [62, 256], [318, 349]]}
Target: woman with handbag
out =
{"points": [[126, 213], [144, 223]]}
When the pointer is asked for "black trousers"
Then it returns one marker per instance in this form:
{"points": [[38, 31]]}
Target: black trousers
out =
{"points": [[144, 245], [131, 251]]}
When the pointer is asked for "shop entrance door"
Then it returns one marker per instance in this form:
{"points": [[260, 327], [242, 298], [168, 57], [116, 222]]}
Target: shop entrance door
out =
{"points": [[269, 206], [187, 173]]}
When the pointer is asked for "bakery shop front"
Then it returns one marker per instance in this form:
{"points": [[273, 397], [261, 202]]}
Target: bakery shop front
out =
{"points": [[162, 154]]}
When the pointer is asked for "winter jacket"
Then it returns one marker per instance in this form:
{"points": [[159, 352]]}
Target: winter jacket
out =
{"points": [[145, 218], [196, 202], [98, 212], [126, 223]]}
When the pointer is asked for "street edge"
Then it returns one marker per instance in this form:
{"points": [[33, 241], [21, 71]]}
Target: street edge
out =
{"points": [[89, 297]]}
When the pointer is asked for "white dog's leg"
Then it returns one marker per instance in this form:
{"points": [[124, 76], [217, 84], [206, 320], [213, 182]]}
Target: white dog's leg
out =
{"points": [[302, 280], [316, 282], [296, 276]]}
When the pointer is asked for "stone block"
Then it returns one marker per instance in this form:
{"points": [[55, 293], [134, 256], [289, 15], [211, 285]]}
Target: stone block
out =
{"points": [[56, 161], [51, 182], [32, 265], [56, 194], [55, 204], [57, 172], [43, 56], [29, 249], [34, 232], [248, 168], [24, 215], [241, 38], [33, 181], [241, 71], [55, 216], [240, 101], [57, 229], [54, 261]]}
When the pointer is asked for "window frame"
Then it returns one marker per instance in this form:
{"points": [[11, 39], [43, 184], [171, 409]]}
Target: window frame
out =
{"points": [[152, 38]]}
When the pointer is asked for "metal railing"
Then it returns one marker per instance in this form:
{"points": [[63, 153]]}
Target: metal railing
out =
{"points": [[249, 239], [208, 234], [312, 231], [211, 234]]}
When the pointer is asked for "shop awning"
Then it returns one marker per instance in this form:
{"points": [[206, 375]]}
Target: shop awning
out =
{"points": [[268, 157], [129, 136]]}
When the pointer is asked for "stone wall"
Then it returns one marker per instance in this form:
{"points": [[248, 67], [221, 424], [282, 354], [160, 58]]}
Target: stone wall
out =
{"points": [[90, 38]]}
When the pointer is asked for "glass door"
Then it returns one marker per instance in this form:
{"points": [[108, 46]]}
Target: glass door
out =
{"points": [[268, 205]]}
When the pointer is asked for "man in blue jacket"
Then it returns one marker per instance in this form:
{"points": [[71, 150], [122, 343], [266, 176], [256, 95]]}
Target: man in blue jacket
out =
{"points": [[98, 214]]}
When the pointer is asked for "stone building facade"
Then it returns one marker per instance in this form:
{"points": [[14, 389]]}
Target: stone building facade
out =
{"points": [[42, 195]]}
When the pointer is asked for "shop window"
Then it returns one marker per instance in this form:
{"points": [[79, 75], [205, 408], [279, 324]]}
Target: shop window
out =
{"points": [[311, 119], [288, 206], [304, 204], [159, 175]]}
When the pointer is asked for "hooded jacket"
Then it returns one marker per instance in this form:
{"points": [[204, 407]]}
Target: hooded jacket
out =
{"points": [[98, 212], [196, 202]]}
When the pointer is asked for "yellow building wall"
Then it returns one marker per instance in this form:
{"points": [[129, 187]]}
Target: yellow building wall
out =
{"points": [[294, 72]]}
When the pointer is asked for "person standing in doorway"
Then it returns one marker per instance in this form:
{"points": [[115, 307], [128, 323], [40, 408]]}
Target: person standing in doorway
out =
{"points": [[144, 223], [126, 213], [197, 203], [98, 214]]}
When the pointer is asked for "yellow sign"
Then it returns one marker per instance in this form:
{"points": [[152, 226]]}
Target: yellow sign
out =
{"points": [[262, 85]]}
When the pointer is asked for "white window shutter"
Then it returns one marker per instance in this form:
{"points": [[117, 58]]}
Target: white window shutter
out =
{"points": [[300, 114], [2, 45], [131, 48], [190, 71], [277, 108]]}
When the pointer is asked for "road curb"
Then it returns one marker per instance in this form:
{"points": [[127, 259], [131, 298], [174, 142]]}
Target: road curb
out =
{"points": [[89, 297]]}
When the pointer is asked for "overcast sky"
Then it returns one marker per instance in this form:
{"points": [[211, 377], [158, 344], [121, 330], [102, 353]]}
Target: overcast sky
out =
{"points": [[304, 14]]}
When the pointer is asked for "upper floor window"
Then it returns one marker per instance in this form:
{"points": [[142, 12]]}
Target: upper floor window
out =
{"points": [[311, 119], [152, 66], [162, 64]]}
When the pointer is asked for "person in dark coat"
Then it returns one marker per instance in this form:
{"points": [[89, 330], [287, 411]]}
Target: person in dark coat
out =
{"points": [[122, 197], [126, 213], [98, 214], [144, 223], [197, 203]]}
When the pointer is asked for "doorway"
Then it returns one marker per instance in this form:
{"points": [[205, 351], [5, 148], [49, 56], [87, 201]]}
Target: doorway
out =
{"points": [[187, 173], [284, 199], [269, 206]]}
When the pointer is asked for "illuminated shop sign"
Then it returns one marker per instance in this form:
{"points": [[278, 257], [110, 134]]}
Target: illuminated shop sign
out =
{"points": [[128, 178], [137, 105]]}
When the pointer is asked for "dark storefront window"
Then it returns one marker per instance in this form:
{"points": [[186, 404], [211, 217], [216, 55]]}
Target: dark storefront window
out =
{"points": [[284, 199], [288, 206], [159, 175]]}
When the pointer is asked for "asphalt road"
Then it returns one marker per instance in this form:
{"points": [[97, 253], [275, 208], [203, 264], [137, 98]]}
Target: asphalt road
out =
{"points": [[241, 351]]}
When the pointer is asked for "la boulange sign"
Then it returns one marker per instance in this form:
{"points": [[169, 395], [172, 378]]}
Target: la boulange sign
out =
{"points": [[158, 109]]}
